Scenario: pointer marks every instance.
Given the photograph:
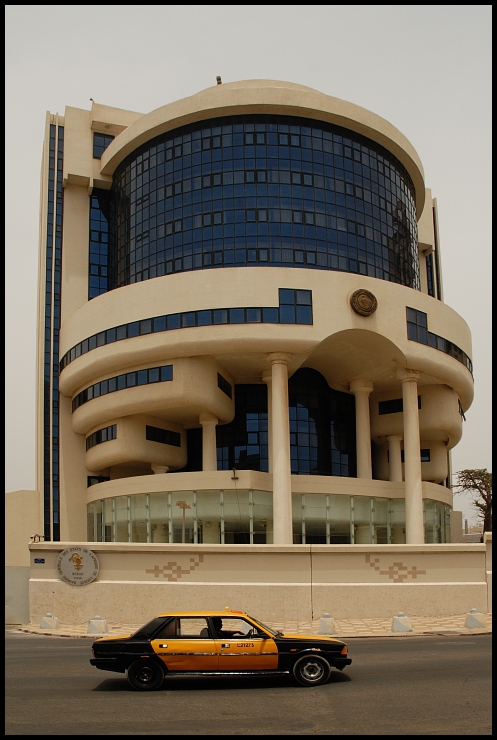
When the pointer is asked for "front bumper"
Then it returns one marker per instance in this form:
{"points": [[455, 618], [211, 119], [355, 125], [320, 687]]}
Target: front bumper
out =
{"points": [[108, 664]]}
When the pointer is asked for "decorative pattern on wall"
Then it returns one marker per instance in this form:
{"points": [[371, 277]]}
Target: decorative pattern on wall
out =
{"points": [[397, 572], [172, 571]]}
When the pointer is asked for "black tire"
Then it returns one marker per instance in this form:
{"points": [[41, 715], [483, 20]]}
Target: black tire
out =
{"points": [[311, 670], [145, 675]]}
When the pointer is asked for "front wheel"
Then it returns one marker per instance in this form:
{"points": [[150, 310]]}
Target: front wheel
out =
{"points": [[145, 675], [311, 670]]}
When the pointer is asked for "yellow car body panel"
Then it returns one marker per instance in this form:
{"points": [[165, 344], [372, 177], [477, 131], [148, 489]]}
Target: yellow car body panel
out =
{"points": [[244, 654], [187, 655]]}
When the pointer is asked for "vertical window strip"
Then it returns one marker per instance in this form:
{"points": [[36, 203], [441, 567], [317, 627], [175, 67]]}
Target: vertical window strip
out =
{"points": [[429, 275], [438, 282], [47, 360], [53, 264], [98, 251], [57, 268]]}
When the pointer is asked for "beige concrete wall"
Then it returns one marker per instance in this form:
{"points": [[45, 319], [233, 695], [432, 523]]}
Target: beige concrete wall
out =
{"points": [[456, 532], [23, 518], [131, 445], [297, 582]]}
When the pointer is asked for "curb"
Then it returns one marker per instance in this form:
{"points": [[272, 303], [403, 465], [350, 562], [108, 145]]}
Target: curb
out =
{"points": [[340, 636]]}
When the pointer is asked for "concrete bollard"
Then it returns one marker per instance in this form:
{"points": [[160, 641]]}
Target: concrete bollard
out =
{"points": [[49, 622], [475, 620], [326, 625], [97, 626], [401, 623]]}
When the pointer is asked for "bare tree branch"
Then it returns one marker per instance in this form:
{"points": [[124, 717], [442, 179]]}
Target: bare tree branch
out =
{"points": [[478, 483]]}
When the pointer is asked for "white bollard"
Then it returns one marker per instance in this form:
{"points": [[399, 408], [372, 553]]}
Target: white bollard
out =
{"points": [[326, 625], [401, 623], [97, 626], [475, 620], [49, 622]]}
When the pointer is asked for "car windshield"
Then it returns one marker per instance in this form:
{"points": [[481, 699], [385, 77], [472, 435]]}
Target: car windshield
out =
{"points": [[275, 633]]}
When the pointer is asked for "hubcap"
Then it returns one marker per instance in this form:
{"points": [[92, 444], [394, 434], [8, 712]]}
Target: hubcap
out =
{"points": [[145, 675], [312, 671]]}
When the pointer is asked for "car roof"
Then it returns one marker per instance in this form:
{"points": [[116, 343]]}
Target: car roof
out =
{"points": [[206, 613]]}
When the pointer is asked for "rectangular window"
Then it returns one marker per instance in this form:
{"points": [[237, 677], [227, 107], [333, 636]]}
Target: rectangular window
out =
{"points": [[224, 386], [424, 456], [92, 480], [163, 436], [393, 406], [100, 436], [100, 143]]}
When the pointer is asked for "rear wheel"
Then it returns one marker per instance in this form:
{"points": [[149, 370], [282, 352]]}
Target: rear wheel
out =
{"points": [[311, 670], [145, 675]]}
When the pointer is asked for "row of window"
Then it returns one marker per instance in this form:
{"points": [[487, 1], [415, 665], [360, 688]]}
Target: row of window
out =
{"points": [[120, 382], [153, 434], [246, 517], [295, 308], [326, 173], [417, 331], [100, 436]]}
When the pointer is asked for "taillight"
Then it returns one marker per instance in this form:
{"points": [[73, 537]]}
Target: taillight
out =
{"points": [[344, 650]]}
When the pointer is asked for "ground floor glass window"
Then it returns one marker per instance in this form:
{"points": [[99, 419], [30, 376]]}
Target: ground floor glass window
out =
{"points": [[246, 517]]}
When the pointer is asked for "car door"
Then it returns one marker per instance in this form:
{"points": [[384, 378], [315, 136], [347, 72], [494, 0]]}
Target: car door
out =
{"points": [[248, 651], [184, 644]]}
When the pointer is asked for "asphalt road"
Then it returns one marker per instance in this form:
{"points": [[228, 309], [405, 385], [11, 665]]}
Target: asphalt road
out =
{"points": [[436, 685]]}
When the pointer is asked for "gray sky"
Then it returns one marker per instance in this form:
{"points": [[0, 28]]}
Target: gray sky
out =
{"points": [[425, 68]]}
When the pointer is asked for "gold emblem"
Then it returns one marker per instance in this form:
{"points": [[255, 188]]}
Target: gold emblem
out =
{"points": [[77, 560], [363, 302]]}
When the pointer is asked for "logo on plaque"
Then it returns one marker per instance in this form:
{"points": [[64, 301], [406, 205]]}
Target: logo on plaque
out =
{"points": [[77, 566]]}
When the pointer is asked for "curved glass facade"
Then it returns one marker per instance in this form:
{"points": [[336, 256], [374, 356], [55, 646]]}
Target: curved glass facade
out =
{"points": [[322, 429], [262, 190], [246, 517]]}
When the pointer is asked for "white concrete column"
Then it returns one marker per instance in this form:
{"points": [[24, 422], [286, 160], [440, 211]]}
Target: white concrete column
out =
{"points": [[412, 460], [266, 376], [394, 457], [281, 469], [158, 469], [209, 453], [361, 390]]}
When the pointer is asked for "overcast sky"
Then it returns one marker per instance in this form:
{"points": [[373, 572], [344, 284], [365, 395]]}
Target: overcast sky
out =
{"points": [[425, 68]]}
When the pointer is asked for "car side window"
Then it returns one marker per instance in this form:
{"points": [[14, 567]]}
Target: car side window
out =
{"points": [[168, 631], [239, 628], [191, 628]]}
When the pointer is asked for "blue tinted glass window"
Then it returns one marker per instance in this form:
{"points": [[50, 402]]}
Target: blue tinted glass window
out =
{"points": [[100, 143], [237, 315], [285, 163], [287, 314]]}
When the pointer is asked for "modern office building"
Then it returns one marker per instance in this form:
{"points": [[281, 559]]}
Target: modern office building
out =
{"points": [[242, 334]]}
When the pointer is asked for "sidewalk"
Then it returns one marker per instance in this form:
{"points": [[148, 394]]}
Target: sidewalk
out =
{"points": [[343, 628]]}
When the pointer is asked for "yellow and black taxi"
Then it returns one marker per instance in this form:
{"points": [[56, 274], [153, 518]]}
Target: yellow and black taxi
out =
{"points": [[216, 643]]}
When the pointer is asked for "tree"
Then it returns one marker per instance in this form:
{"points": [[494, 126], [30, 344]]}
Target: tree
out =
{"points": [[478, 483]]}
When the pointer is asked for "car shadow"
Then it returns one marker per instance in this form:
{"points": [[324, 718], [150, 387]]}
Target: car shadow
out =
{"points": [[218, 683]]}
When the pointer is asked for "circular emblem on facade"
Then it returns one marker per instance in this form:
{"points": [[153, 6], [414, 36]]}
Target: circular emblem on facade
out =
{"points": [[77, 566], [363, 302]]}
